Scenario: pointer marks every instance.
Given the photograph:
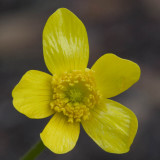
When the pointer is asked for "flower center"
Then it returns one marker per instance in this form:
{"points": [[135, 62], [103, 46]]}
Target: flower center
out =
{"points": [[74, 94]]}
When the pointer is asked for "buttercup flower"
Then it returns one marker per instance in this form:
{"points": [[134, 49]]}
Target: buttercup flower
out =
{"points": [[75, 94]]}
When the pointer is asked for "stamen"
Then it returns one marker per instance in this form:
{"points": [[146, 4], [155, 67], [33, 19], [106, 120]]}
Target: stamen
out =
{"points": [[74, 94]]}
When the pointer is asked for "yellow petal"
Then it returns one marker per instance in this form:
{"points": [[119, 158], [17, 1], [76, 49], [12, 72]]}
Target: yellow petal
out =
{"points": [[114, 75], [32, 94], [59, 135], [65, 42], [112, 126]]}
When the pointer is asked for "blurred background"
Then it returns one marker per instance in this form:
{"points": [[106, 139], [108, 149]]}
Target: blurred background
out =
{"points": [[128, 28]]}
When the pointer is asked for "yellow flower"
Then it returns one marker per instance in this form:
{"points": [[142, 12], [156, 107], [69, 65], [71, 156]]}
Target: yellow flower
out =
{"points": [[74, 94]]}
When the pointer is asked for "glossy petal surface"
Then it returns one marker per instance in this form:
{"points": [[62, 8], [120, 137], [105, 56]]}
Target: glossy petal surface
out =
{"points": [[114, 75], [32, 94], [59, 135], [65, 42], [112, 126]]}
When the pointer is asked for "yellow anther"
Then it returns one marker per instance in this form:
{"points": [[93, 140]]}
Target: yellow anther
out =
{"points": [[78, 120], [71, 84], [70, 120], [66, 100]]}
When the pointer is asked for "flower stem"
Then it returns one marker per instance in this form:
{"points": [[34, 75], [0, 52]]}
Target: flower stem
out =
{"points": [[34, 151]]}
